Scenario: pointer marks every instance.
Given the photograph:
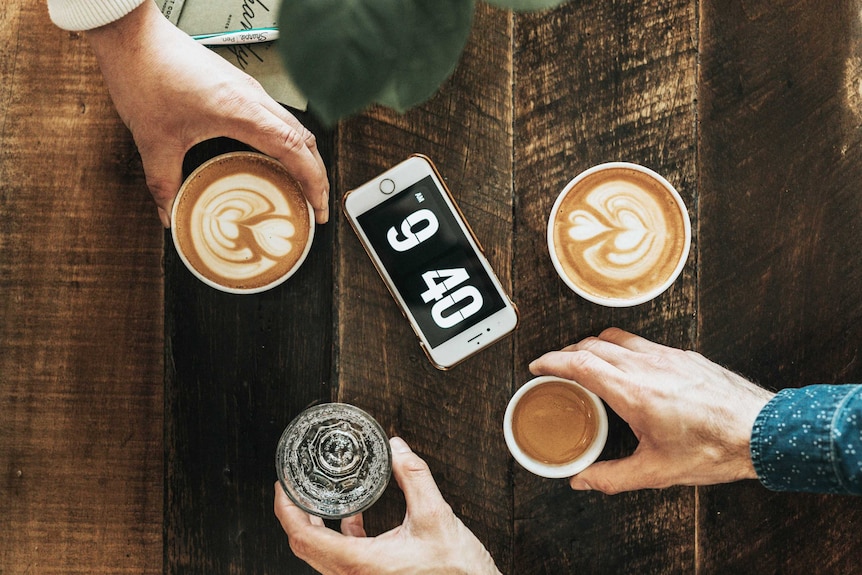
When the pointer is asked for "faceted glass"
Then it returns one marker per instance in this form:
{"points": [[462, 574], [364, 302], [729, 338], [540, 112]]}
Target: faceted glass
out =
{"points": [[333, 460]]}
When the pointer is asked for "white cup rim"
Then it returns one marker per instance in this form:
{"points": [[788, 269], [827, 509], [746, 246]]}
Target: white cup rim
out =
{"points": [[278, 281], [567, 469], [641, 298]]}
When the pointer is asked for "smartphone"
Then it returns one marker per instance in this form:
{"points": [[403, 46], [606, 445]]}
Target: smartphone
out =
{"points": [[430, 260]]}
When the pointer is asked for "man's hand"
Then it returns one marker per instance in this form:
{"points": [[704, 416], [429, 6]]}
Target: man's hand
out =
{"points": [[431, 539], [692, 417], [173, 93]]}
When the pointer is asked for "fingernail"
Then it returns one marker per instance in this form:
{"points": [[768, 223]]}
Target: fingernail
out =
{"points": [[399, 445], [580, 484]]}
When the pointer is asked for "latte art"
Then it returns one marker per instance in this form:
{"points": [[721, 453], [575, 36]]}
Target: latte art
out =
{"points": [[619, 234], [241, 223], [245, 224]]}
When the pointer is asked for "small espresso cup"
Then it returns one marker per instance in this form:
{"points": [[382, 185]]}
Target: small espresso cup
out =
{"points": [[619, 234], [555, 427], [241, 224]]}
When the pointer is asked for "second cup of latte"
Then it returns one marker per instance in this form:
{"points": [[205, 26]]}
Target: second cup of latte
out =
{"points": [[619, 234], [241, 224], [555, 427]]}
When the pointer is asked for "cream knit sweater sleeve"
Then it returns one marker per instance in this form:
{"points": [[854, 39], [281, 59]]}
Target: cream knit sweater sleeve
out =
{"points": [[89, 14]]}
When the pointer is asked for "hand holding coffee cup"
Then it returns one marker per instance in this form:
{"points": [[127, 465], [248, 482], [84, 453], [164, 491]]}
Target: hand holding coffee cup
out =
{"points": [[619, 234], [241, 223], [554, 427]]}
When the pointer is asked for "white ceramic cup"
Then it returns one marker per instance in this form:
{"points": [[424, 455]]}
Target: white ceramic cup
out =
{"points": [[637, 297], [569, 468], [275, 209]]}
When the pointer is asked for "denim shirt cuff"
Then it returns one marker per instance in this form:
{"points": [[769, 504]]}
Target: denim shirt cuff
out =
{"points": [[807, 440]]}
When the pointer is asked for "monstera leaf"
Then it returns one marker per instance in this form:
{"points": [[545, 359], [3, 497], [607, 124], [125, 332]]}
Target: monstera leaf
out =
{"points": [[345, 55]]}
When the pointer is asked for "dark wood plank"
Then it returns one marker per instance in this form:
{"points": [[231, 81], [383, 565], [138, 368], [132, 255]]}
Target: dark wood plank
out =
{"points": [[596, 82], [239, 368], [781, 164], [80, 316], [452, 419]]}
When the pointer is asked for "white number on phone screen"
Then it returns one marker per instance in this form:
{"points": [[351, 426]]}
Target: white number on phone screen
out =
{"points": [[409, 237], [441, 282]]}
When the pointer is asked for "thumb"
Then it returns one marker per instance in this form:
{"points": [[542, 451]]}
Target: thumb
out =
{"points": [[614, 476], [415, 480], [164, 173]]}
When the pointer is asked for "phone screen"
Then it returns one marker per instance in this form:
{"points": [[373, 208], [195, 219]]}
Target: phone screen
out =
{"points": [[430, 261]]}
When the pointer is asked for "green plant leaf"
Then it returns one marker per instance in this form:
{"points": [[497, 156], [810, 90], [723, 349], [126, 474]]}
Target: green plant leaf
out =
{"points": [[347, 54], [526, 5]]}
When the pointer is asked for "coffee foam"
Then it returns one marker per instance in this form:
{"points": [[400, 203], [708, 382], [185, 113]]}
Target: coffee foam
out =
{"points": [[242, 222], [619, 233]]}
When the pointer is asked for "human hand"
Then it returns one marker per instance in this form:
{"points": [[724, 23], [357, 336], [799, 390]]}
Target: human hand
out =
{"points": [[431, 539], [173, 93], [692, 417]]}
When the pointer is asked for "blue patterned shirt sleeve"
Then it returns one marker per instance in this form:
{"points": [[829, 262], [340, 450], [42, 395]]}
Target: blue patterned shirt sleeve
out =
{"points": [[810, 439]]}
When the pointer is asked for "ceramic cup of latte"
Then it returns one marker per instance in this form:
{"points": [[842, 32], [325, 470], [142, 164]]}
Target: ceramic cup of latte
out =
{"points": [[619, 234], [555, 427], [241, 224]]}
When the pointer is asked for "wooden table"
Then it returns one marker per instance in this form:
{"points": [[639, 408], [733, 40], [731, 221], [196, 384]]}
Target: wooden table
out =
{"points": [[139, 409]]}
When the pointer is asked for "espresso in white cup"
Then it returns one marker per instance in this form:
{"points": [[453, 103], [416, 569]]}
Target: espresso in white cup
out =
{"points": [[241, 223], [555, 427], [619, 234]]}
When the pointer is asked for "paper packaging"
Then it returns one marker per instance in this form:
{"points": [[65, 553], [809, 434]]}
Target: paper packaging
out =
{"points": [[261, 61]]}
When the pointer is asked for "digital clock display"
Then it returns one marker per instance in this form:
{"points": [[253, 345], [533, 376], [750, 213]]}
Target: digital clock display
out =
{"points": [[430, 261]]}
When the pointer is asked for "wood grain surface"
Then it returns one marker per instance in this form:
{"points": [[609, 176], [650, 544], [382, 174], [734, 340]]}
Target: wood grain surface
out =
{"points": [[780, 267], [238, 369], [452, 419], [81, 302], [140, 409], [598, 82]]}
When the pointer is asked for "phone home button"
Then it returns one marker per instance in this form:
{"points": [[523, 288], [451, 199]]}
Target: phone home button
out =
{"points": [[387, 186]]}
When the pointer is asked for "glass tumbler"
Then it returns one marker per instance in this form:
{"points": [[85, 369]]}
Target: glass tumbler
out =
{"points": [[333, 460]]}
